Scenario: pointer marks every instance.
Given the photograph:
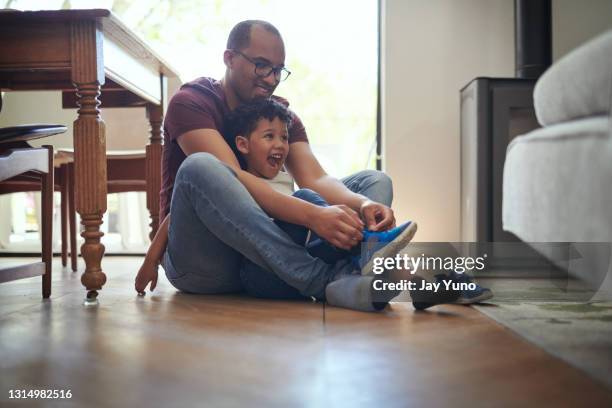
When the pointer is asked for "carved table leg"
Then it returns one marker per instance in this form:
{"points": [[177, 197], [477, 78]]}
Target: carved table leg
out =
{"points": [[90, 183], [153, 165], [89, 149]]}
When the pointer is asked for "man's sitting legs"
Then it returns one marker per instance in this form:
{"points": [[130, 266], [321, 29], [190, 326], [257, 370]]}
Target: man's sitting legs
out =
{"points": [[209, 200]]}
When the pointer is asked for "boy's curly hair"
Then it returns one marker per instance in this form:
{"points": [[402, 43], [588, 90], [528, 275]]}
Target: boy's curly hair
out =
{"points": [[243, 120]]}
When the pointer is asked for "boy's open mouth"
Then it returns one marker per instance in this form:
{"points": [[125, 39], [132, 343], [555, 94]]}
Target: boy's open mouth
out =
{"points": [[276, 160]]}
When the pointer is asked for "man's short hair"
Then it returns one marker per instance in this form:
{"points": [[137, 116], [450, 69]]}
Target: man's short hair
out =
{"points": [[240, 36]]}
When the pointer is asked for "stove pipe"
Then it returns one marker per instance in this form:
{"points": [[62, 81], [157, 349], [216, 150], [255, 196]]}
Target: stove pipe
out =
{"points": [[533, 37]]}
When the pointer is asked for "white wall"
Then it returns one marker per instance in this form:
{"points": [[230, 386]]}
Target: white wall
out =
{"points": [[430, 50]]}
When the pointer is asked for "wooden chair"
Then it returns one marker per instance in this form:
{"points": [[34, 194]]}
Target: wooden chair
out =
{"points": [[20, 161], [61, 183], [125, 171]]}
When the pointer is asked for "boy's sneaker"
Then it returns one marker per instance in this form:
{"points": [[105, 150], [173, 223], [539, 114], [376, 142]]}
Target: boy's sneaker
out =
{"points": [[468, 296], [382, 244]]}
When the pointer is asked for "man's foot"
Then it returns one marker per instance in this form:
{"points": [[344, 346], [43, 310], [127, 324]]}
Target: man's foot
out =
{"points": [[423, 298], [382, 245], [468, 296]]}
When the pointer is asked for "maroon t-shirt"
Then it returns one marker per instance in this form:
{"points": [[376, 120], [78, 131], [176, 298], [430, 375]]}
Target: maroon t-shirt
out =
{"points": [[200, 104]]}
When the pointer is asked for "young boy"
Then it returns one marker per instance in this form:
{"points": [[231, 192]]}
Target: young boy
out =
{"points": [[258, 134]]}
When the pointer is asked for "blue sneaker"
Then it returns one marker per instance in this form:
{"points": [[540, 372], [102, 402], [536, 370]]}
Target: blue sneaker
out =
{"points": [[467, 297], [383, 244]]}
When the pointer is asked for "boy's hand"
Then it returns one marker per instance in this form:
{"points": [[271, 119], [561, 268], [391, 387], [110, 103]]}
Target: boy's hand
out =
{"points": [[377, 216], [147, 273], [339, 225]]}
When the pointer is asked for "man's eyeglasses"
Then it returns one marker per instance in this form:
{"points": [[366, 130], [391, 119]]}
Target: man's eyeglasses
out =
{"points": [[263, 69]]}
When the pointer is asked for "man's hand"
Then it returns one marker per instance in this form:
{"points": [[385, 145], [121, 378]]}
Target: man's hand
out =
{"points": [[146, 274], [339, 225], [378, 217]]}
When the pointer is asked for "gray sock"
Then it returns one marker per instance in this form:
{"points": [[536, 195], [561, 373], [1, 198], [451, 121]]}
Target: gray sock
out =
{"points": [[355, 292]]}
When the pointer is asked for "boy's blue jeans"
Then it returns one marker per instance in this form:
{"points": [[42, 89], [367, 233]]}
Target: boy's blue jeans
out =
{"points": [[215, 222], [259, 282]]}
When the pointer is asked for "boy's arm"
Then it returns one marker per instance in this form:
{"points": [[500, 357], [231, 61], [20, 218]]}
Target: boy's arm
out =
{"points": [[148, 270]]}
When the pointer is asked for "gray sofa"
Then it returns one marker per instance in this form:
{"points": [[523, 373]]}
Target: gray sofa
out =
{"points": [[558, 178]]}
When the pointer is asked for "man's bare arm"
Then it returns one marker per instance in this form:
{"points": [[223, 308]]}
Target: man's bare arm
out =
{"points": [[148, 270]]}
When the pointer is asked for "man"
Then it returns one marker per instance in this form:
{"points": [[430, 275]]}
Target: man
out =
{"points": [[220, 212]]}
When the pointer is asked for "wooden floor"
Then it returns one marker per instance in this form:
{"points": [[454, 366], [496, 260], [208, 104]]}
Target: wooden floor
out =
{"points": [[174, 350]]}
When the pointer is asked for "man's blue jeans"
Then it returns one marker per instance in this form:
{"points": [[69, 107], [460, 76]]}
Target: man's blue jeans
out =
{"points": [[214, 222]]}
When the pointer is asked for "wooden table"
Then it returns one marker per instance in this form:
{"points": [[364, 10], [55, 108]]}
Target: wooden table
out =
{"points": [[94, 59]]}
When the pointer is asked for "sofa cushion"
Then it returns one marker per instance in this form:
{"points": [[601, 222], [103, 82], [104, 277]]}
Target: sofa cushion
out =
{"points": [[578, 85], [558, 183]]}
